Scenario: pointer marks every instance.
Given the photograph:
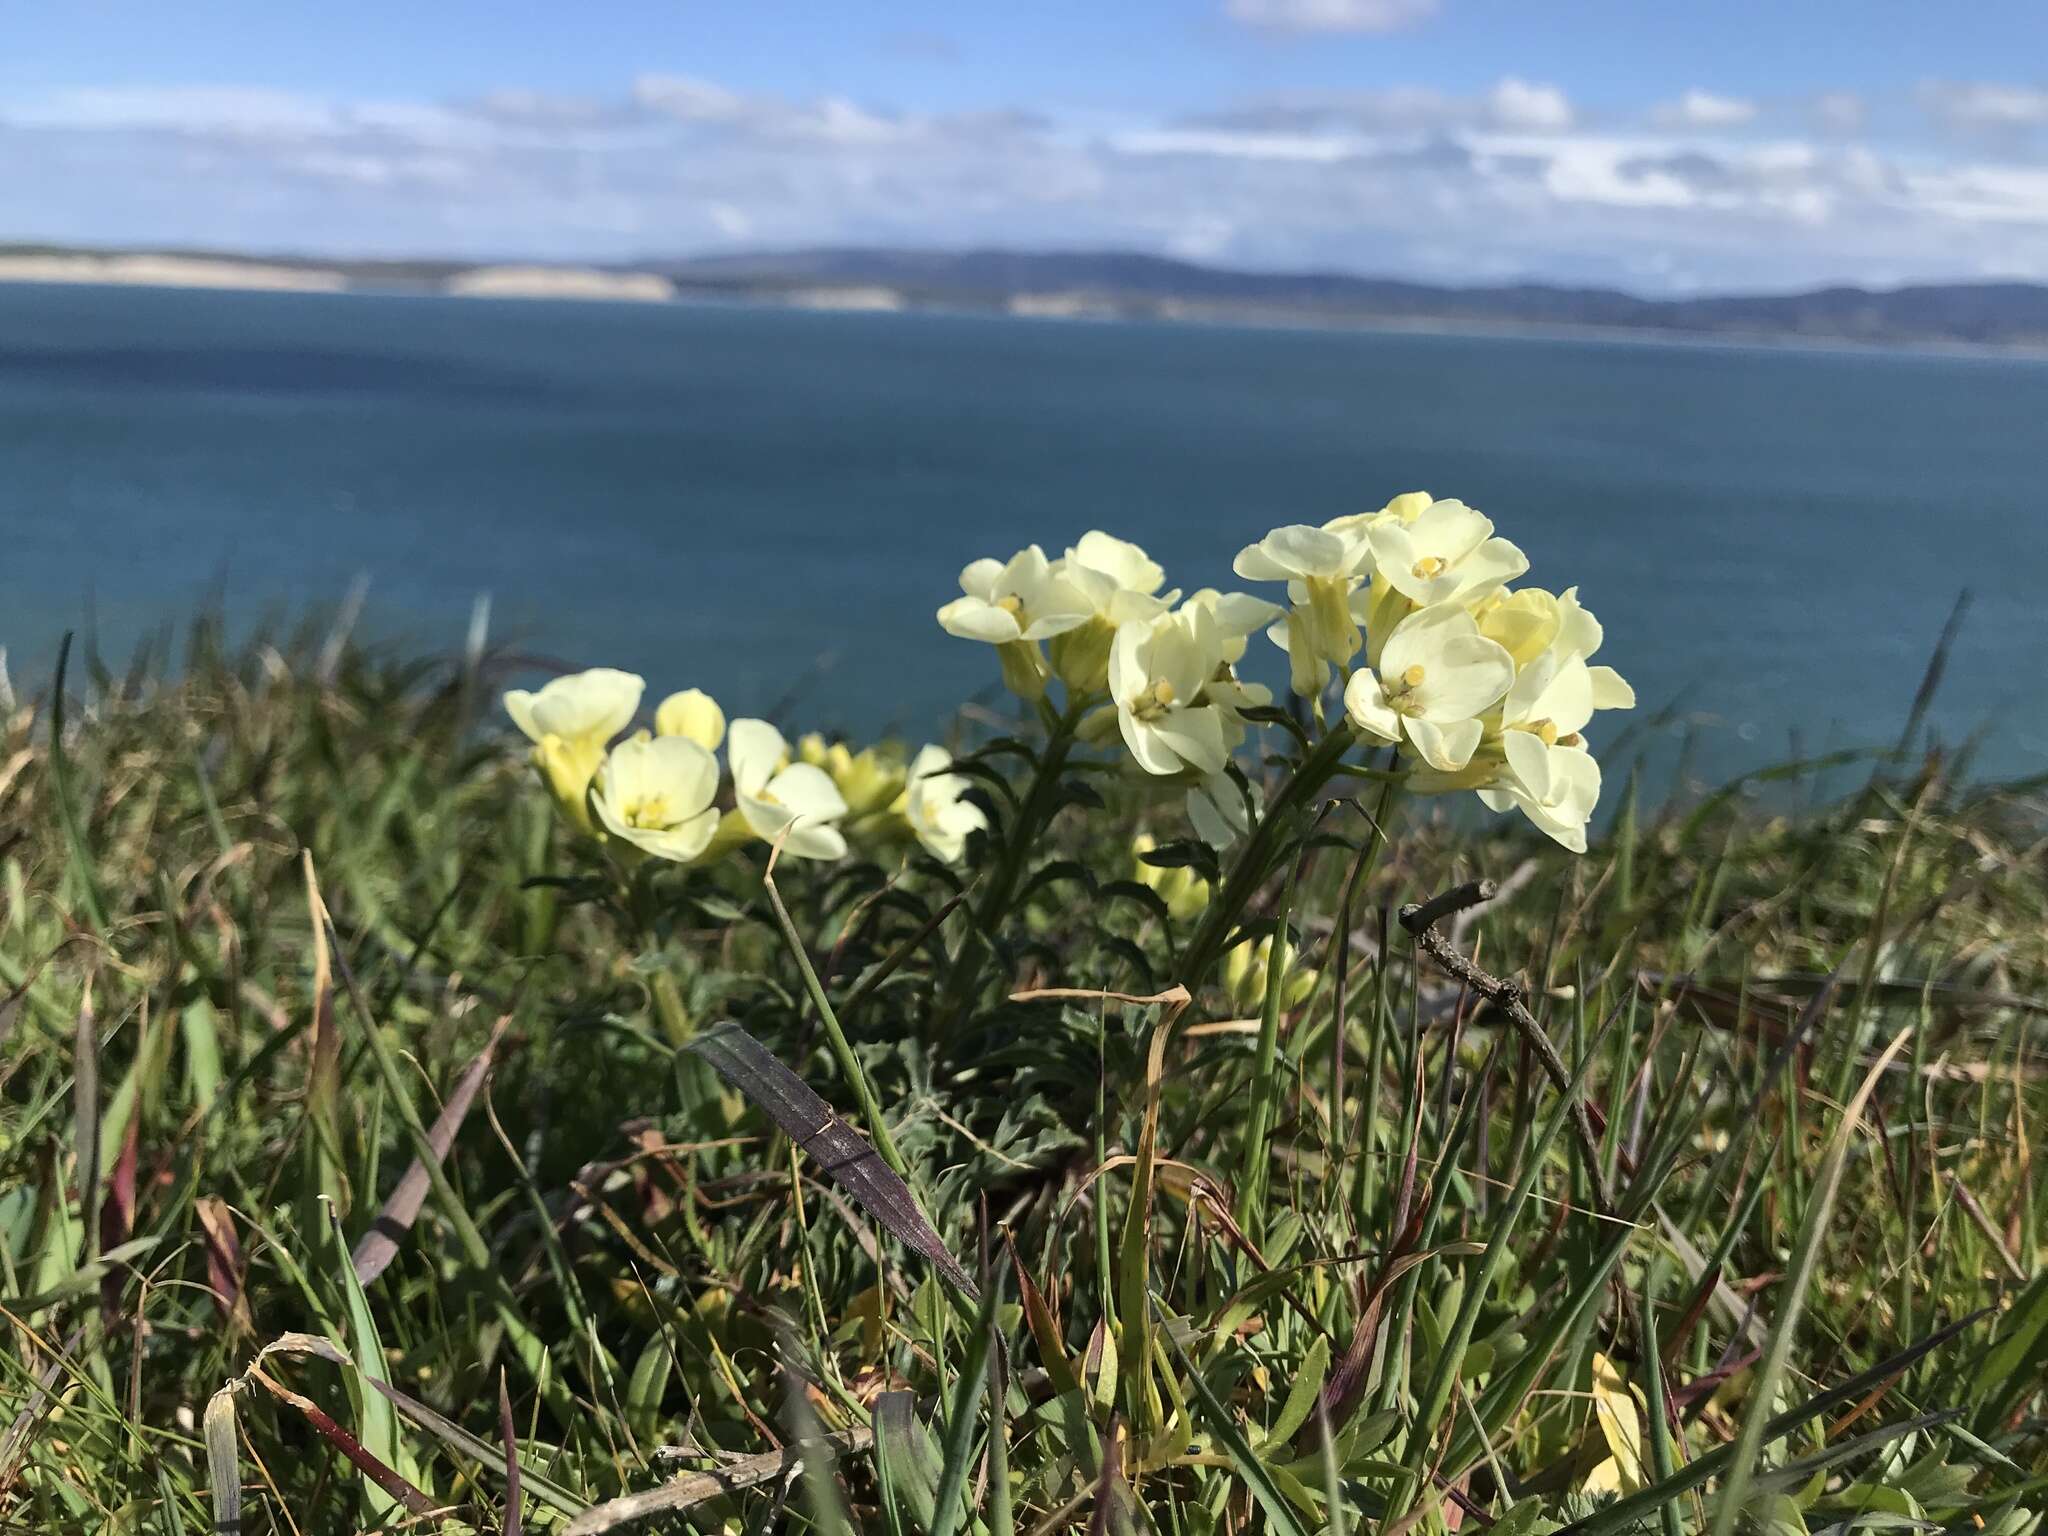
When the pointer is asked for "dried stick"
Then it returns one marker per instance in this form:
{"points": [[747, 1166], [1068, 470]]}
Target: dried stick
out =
{"points": [[1420, 919]]}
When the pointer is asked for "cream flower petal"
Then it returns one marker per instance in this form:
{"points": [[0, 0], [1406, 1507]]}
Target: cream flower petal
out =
{"points": [[975, 618], [1567, 702], [1127, 674], [1417, 639], [1529, 687], [1446, 747], [1395, 556], [1295, 550], [1578, 631], [597, 704], [1365, 702], [755, 750], [1450, 530], [1488, 568], [1530, 762], [1120, 560], [1610, 690], [1574, 791], [1196, 736], [1470, 673], [1524, 622], [694, 715], [809, 792], [980, 577], [940, 818], [518, 704], [1152, 753], [1217, 808]]}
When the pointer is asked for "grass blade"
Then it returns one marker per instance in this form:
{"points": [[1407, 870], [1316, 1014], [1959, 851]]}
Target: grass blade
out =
{"points": [[1281, 1517], [1813, 1232]]}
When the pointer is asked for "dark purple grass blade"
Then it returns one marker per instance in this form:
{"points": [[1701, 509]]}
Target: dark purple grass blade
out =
{"points": [[379, 1246], [828, 1141]]}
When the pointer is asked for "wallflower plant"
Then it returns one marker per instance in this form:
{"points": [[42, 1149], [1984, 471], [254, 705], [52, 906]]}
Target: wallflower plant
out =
{"points": [[1446, 679], [1415, 666]]}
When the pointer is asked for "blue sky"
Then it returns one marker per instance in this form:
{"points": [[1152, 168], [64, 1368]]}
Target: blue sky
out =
{"points": [[1658, 147]]}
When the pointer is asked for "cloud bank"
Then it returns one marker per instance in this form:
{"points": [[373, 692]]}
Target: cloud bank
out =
{"points": [[1708, 191]]}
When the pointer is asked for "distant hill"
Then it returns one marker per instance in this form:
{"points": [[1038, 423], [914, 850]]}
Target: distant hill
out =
{"points": [[1132, 285], [1123, 282]]}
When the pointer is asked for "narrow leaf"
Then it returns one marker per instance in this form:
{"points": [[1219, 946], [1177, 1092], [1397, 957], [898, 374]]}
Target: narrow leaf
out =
{"points": [[847, 1158]]}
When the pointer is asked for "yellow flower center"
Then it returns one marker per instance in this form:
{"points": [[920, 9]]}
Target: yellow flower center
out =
{"points": [[1011, 604], [1428, 566], [649, 813], [1153, 702], [1547, 729], [1399, 689]]}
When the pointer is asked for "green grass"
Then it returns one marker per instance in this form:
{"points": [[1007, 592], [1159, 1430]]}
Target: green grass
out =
{"points": [[1398, 1309]]}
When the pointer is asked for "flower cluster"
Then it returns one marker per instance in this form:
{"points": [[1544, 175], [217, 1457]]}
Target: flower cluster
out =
{"points": [[1162, 667], [1476, 684], [663, 792]]}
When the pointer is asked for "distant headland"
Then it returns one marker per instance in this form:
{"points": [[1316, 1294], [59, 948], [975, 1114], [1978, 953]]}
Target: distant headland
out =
{"points": [[1101, 285]]}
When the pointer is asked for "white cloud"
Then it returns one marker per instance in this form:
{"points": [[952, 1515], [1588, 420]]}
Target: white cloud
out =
{"points": [[1703, 109], [1330, 15], [1506, 182], [200, 109], [1985, 104], [1509, 103], [1248, 146], [1519, 104], [1840, 111], [688, 99]]}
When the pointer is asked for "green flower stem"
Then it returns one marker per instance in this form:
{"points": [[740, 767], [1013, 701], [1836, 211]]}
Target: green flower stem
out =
{"points": [[842, 1048], [1254, 861], [1257, 1159], [1040, 803], [668, 1004]]}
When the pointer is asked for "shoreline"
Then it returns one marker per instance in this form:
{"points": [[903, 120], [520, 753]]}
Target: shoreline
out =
{"points": [[539, 283]]}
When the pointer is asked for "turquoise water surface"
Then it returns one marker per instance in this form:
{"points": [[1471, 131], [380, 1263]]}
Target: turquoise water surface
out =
{"points": [[756, 501]]}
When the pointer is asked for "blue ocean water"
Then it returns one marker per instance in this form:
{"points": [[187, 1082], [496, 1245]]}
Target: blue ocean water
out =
{"points": [[756, 500]]}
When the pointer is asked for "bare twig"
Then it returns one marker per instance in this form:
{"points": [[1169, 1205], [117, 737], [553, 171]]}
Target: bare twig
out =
{"points": [[700, 1487], [1420, 918]]}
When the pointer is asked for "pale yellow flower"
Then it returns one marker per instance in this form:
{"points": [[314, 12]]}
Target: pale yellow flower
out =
{"points": [[1013, 605], [570, 722], [1158, 670], [1185, 893], [1446, 554], [1245, 971], [934, 806], [1404, 508], [1545, 769], [870, 780], [1437, 675], [693, 715], [1238, 616], [1556, 787], [1321, 568], [1119, 559], [1120, 584], [659, 795], [773, 793]]}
